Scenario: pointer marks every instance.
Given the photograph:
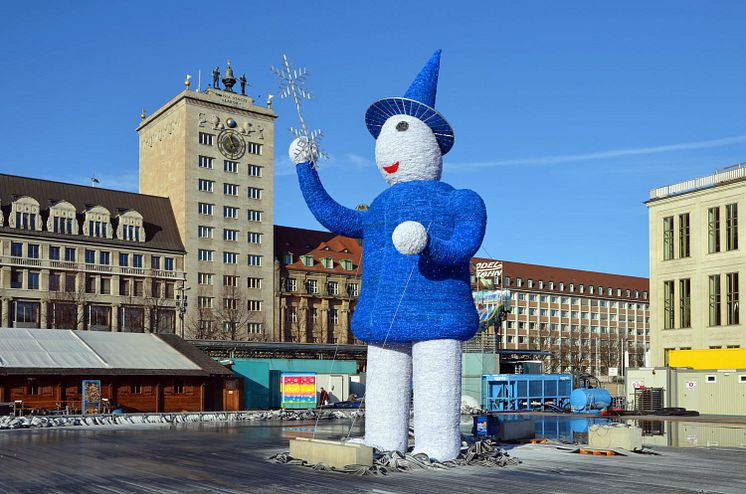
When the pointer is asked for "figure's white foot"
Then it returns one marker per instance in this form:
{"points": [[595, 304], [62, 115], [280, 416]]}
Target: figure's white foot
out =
{"points": [[437, 398]]}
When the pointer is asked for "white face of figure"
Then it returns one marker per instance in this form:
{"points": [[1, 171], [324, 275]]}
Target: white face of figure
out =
{"points": [[406, 150]]}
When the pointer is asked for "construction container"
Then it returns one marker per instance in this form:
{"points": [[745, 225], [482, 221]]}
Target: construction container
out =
{"points": [[516, 392], [589, 400]]}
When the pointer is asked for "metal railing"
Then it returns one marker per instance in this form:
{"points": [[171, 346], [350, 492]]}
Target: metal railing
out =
{"points": [[86, 267], [727, 174]]}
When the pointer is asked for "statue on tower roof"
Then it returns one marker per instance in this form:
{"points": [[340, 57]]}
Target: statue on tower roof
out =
{"points": [[242, 80], [229, 80], [216, 77]]}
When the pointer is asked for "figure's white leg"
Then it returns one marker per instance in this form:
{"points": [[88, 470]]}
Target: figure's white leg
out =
{"points": [[437, 398], [388, 394]]}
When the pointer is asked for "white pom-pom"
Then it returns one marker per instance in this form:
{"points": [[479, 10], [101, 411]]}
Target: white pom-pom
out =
{"points": [[301, 151], [410, 238]]}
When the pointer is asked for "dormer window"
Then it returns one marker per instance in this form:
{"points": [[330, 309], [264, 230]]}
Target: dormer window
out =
{"points": [[287, 258], [62, 218], [346, 264], [129, 227], [328, 262], [307, 261], [97, 223], [24, 214]]}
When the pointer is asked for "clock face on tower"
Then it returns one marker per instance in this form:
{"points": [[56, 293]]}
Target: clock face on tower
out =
{"points": [[231, 144]]}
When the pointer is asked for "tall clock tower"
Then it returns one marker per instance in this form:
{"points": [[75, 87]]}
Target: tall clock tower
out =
{"points": [[212, 154]]}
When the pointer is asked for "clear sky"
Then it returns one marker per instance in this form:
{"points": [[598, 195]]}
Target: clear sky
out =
{"points": [[565, 113]]}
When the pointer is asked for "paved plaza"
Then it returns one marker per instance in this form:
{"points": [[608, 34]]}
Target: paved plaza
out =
{"points": [[229, 458]]}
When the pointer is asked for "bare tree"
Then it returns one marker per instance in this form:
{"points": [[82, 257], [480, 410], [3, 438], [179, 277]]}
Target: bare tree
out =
{"points": [[64, 302], [161, 308], [201, 324], [234, 315]]}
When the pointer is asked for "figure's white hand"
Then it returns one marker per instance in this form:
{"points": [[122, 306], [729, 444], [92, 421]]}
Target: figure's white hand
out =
{"points": [[302, 152], [409, 238]]}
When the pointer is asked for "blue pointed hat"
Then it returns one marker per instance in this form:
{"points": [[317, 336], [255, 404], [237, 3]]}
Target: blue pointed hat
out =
{"points": [[418, 102]]}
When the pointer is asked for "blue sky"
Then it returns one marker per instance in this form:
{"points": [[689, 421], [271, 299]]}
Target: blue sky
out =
{"points": [[565, 113]]}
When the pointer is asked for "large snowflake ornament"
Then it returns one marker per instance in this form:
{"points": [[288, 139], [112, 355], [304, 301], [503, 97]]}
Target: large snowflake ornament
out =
{"points": [[292, 84]]}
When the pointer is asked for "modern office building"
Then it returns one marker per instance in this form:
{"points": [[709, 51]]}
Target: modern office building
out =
{"points": [[588, 322], [78, 257], [695, 264], [317, 281], [211, 153]]}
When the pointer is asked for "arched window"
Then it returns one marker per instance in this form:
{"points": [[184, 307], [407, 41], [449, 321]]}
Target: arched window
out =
{"points": [[24, 214], [97, 223], [62, 218], [129, 226]]}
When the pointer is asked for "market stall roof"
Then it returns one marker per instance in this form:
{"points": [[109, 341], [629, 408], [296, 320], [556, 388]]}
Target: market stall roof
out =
{"points": [[46, 351]]}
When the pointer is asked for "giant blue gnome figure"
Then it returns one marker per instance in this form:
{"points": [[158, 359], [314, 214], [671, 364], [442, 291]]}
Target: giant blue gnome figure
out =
{"points": [[415, 307]]}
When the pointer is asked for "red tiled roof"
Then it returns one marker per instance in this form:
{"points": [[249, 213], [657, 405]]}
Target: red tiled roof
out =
{"points": [[319, 245]]}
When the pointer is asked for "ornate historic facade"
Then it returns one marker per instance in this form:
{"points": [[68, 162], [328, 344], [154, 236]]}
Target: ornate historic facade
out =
{"points": [[78, 257], [317, 281]]}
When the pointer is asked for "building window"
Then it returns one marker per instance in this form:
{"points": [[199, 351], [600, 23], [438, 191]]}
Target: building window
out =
{"points": [[230, 280], [715, 318], [254, 148], [254, 283], [25, 221], [255, 171], [255, 305], [713, 230], [352, 289], [104, 258], [55, 281], [105, 288], [124, 259], [204, 278], [731, 226], [668, 304], [205, 255], [16, 249], [137, 260], [312, 286], [254, 260], [346, 264], [307, 260], [33, 280], [230, 235], [328, 262], [255, 193], [334, 317], [230, 257], [255, 215], [205, 302], [205, 231], [230, 212], [70, 254], [204, 208], [70, 282], [168, 263], [684, 242], [291, 285], [206, 139], [205, 185], [205, 162], [254, 238], [90, 256], [332, 288], [178, 387], [731, 281], [255, 327], [230, 166], [155, 262], [230, 189], [685, 303], [668, 238], [32, 251]]}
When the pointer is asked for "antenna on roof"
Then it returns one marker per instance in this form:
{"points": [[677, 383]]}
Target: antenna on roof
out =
{"points": [[94, 180], [199, 80]]}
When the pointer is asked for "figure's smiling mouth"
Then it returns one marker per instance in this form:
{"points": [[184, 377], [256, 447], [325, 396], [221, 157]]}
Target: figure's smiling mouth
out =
{"points": [[391, 168]]}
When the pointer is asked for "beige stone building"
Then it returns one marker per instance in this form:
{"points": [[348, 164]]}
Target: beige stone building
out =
{"points": [[87, 258], [695, 263], [317, 282], [212, 154]]}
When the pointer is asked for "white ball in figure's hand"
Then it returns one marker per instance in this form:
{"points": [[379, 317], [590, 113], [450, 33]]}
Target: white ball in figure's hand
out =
{"points": [[410, 238], [302, 152]]}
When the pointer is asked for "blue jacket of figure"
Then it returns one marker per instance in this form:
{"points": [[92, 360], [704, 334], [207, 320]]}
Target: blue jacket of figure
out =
{"points": [[408, 298]]}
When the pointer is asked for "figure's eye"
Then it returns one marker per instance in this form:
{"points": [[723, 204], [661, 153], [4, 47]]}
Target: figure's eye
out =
{"points": [[402, 126]]}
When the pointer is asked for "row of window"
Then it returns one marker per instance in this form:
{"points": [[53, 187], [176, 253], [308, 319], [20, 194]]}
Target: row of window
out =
{"points": [[207, 255], [228, 212], [206, 326], [681, 292], [714, 232], [565, 314], [204, 185], [312, 286], [575, 328], [66, 282], [207, 139], [228, 280], [533, 297], [95, 228], [205, 302], [309, 261], [313, 316], [571, 287], [229, 234], [104, 257]]}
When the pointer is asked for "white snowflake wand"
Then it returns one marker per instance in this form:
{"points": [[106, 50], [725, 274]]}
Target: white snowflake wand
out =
{"points": [[292, 84]]}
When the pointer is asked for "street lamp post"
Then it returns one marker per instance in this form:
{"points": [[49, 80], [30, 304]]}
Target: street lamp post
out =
{"points": [[182, 304]]}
